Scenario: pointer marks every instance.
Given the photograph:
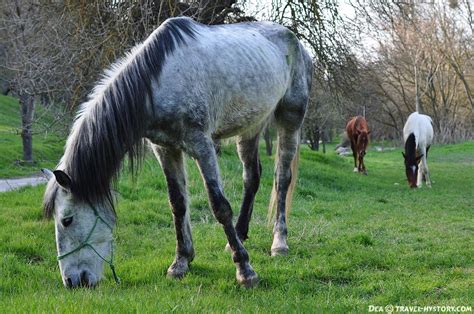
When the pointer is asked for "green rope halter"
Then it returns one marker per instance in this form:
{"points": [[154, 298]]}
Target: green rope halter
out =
{"points": [[86, 243]]}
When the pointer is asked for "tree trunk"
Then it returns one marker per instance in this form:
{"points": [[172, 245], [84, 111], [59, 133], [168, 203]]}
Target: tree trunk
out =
{"points": [[313, 137], [4, 87], [417, 94], [27, 107], [323, 137], [268, 140]]}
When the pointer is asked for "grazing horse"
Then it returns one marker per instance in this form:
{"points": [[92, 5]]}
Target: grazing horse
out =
{"points": [[358, 132], [186, 85], [418, 137]]}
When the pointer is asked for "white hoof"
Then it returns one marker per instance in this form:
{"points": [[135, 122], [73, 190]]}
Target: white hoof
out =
{"points": [[279, 245], [279, 251]]}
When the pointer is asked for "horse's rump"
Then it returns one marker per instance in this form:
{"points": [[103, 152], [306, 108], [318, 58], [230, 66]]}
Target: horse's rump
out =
{"points": [[356, 125]]}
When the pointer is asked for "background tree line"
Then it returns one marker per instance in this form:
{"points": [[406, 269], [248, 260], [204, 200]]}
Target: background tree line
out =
{"points": [[383, 59]]}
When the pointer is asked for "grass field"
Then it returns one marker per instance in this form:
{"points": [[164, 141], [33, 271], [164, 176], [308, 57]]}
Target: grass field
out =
{"points": [[47, 146], [354, 241]]}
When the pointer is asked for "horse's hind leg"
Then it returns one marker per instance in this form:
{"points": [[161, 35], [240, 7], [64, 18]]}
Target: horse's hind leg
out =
{"points": [[287, 142], [248, 153], [172, 162], [203, 151]]}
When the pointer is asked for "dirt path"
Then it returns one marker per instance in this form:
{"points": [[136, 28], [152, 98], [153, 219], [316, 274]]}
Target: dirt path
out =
{"points": [[11, 184]]}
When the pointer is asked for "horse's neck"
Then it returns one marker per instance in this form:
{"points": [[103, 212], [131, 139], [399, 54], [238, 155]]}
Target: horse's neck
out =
{"points": [[93, 155]]}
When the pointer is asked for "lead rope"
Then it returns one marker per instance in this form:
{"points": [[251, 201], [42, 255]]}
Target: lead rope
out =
{"points": [[86, 243]]}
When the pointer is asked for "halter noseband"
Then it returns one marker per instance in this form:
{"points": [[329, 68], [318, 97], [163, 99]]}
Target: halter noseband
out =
{"points": [[86, 243]]}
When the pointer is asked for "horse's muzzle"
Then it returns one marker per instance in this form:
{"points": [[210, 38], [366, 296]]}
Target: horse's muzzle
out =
{"points": [[85, 279]]}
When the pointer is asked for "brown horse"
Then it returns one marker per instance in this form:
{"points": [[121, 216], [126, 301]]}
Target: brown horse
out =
{"points": [[358, 132]]}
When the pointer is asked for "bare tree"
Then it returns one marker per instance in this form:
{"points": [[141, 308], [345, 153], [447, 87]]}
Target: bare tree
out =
{"points": [[55, 51], [31, 56], [422, 63]]}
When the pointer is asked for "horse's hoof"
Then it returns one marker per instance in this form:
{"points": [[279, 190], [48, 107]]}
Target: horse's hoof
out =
{"points": [[279, 251], [365, 173], [178, 269], [355, 170], [227, 248], [249, 279]]}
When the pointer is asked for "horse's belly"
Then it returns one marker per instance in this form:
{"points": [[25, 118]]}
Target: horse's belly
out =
{"points": [[238, 120], [245, 112]]}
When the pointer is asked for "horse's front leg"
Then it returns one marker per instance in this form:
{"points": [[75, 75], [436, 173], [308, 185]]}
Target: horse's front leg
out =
{"points": [[203, 150], [362, 165], [248, 153], [172, 163], [354, 153], [361, 162], [426, 172], [419, 177]]}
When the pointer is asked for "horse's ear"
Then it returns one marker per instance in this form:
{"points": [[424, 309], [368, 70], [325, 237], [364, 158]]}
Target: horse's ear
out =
{"points": [[63, 179], [368, 132], [404, 155], [47, 173], [418, 158]]}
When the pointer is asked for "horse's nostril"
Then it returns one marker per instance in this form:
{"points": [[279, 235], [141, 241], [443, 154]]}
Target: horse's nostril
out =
{"points": [[72, 281], [84, 279], [69, 282], [87, 279]]}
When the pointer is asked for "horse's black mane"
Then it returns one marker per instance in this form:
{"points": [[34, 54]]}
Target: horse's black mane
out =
{"points": [[410, 150], [112, 123]]}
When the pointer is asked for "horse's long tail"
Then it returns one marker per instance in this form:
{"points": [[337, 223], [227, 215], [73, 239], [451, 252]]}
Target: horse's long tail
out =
{"points": [[291, 188]]}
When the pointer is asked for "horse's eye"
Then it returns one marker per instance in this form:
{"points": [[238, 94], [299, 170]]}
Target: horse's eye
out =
{"points": [[66, 221]]}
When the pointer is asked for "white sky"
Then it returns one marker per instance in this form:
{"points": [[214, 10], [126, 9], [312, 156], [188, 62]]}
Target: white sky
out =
{"points": [[261, 9]]}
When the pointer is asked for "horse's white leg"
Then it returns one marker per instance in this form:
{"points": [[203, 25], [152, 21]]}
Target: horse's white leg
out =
{"points": [[426, 171], [287, 141], [203, 150], [419, 178], [289, 117], [172, 163]]}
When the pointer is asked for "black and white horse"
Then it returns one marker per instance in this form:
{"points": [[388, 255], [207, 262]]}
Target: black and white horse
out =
{"points": [[185, 86], [418, 137]]}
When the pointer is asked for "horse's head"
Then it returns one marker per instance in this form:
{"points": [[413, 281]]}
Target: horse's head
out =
{"points": [[362, 142], [411, 169], [83, 231]]}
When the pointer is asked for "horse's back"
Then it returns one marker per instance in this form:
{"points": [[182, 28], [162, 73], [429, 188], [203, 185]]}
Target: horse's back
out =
{"points": [[421, 126], [234, 75], [356, 123]]}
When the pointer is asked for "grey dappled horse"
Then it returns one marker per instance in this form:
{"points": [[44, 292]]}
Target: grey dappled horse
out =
{"points": [[185, 86]]}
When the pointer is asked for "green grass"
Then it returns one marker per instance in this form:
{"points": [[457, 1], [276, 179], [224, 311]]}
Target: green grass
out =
{"points": [[354, 241], [47, 147]]}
